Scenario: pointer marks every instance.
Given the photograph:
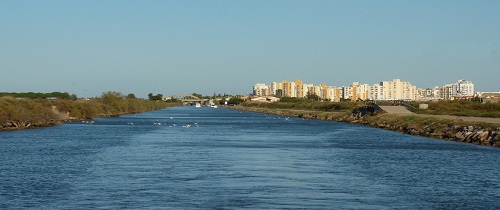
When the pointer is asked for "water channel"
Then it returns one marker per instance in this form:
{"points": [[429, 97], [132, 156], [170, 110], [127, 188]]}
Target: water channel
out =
{"points": [[207, 158]]}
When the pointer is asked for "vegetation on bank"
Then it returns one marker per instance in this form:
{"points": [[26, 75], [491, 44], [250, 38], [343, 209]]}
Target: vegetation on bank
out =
{"points": [[305, 104], [460, 108], [456, 107], [22, 113], [16, 113], [33, 95]]}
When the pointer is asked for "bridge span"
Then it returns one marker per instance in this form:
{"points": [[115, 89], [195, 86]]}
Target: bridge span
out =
{"points": [[190, 99]]}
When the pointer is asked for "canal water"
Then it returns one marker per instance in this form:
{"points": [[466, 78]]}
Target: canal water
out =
{"points": [[206, 158]]}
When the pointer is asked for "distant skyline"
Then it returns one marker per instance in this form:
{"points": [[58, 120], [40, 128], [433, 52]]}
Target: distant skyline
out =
{"points": [[176, 47]]}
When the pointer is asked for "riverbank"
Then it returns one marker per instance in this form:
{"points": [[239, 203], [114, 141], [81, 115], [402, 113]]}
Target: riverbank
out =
{"points": [[479, 133], [17, 114]]}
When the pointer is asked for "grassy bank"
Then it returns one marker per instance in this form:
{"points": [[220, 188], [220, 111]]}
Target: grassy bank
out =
{"points": [[307, 105], [460, 108], [27, 113]]}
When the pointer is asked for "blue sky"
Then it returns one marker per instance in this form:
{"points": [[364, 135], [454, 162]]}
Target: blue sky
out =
{"points": [[173, 47]]}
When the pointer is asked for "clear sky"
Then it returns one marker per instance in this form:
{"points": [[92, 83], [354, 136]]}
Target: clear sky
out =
{"points": [[88, 47]]}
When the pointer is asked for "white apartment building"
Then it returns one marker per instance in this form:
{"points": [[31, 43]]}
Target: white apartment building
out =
{"points": [[260, 89], [275, 89], [374, 92], [314, 90], [460, 89], [356, 91], [398, 90], [348, 92], [465, 88], [364, 92], [448, 91], [429, 94]]}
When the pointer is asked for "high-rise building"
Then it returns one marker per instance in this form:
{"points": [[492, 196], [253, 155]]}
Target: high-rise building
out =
{"points": [[430, 94], [348, 92], [301, 93], [398, 90], [276, 89], [289, 89], [260, 89], [314, 90], [374, 92], [465, 88], [448, 91], [323, 92], [330, 93], [364, 92], [356, 91]]}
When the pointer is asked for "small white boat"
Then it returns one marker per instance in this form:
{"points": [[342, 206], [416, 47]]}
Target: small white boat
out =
{"points": [[198, 105]]}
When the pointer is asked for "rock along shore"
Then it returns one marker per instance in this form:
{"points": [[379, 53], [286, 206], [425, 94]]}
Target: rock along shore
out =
{"points": [[432, 127]]}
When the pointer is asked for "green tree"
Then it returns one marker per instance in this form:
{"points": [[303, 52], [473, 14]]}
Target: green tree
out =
{"points": [[312, 96], [131, 96], [235, 100], [111, 97], [157, 97]]}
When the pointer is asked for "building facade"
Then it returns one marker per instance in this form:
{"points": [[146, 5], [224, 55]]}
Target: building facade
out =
{"points": [[397, 90], [465, 88], [260, 89], [386, 90]]}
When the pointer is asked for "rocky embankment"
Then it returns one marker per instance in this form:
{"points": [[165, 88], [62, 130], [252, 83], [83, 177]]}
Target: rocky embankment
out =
{"points": [[432, 127], [453, 131]]}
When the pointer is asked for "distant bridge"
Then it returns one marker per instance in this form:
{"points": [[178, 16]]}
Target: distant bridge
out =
{"points": [[190, 99]]}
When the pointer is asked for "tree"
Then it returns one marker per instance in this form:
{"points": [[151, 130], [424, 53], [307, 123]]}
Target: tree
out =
{"points": [[157, 97], [312, 96], [131, 96], [235, 100], [111, 97]]}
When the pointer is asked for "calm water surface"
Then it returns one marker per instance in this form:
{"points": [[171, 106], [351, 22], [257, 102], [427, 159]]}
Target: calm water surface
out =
{"points": [[205, 158]]}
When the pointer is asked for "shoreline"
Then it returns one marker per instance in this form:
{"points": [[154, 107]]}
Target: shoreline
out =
{"points": [[485, 134], [51, 115], [15, 126]]}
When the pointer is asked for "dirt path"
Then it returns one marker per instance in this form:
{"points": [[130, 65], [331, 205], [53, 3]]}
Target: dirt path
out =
{"points": [[396, 110]]}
